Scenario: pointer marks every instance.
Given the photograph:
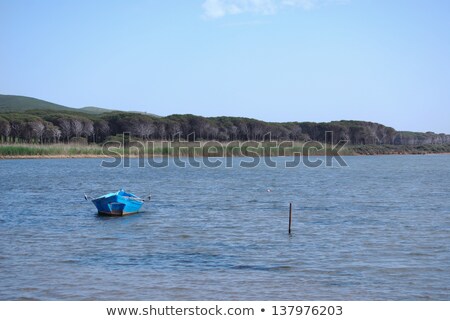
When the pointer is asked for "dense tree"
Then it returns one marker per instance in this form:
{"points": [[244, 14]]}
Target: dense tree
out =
{"points": [[101, 130], [88, 128], [173, 129], [52, 134], [49, 127], [161, 130], [36, 130], [65, 127], [5, 129], [142, 128]]}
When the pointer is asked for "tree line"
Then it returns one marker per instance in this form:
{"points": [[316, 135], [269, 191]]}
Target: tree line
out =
{"points": [[45, 127]]}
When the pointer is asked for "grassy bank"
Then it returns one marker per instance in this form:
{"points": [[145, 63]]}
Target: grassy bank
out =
{"points": [[67, 150], [92, 150], [158, 149], [399, 149]]}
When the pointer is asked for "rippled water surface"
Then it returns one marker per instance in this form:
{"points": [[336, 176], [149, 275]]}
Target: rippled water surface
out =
{"points": [[376, 230]]}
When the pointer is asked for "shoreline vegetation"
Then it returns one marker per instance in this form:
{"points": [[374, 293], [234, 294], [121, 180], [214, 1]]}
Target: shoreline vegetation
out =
{"points": [[33, 128], [208, 149]]}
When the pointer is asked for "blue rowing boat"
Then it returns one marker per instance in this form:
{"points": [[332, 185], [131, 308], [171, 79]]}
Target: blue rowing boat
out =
{"points": [[118, 203]]}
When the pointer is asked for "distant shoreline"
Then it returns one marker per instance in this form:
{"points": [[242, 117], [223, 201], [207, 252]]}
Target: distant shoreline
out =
{"points": [[18, 157], [263, 149]]}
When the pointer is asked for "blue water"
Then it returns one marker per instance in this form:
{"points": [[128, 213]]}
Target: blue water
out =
{"points": [[376, 230]]}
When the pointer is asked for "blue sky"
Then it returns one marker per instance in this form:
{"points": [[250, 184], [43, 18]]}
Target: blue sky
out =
{"points": [[275, 60]]}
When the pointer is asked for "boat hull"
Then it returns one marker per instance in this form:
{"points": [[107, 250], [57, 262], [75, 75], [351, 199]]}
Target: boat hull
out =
{"points": [[117, 204]]}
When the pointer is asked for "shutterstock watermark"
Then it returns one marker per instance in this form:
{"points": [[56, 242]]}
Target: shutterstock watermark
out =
{"points": [[190, 152]]}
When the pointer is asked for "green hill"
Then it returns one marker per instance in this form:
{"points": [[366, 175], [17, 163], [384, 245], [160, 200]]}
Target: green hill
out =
{"points": [[95, 110], [98, 111], [20, 104], [11, 103], [30, 120]]}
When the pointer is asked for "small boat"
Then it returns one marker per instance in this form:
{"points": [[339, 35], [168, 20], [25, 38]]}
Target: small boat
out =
{"points": [[118, 203]]}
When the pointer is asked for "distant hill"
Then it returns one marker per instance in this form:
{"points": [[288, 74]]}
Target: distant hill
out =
{"points": [[25, 119], [95, 110], [12, 103], [98, 111]]}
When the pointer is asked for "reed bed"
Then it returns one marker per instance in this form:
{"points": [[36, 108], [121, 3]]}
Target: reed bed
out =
{"points": [[49, 150], [205, 150]]}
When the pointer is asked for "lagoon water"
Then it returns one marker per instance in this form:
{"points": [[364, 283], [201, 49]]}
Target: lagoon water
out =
{"points": [[378, 229]]}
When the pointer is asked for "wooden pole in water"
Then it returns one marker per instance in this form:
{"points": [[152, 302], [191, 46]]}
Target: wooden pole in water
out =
{"points": [[290, 217]]}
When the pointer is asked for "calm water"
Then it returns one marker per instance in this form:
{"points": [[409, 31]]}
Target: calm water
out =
{"points": [[377, 230]]}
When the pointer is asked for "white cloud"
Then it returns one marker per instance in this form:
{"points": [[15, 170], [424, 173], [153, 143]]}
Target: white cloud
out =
{"points": [[305, 4], [310, 4], [219, 8]]}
